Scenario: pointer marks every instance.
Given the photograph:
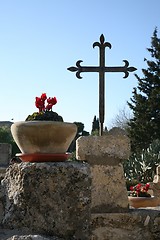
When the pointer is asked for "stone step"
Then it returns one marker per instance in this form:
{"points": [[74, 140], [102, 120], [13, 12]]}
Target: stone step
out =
{"points": [[137, 224]]}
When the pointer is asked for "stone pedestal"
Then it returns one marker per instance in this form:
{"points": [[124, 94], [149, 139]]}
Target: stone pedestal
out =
{"points": [[5, 154], [48, 198], [105, 155], [5, 157]]}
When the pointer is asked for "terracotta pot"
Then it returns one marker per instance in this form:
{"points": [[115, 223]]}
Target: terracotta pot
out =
{"points": [[43, 137], [138, 202]]}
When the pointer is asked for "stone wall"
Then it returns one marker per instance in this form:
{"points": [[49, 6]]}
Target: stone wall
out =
{"points": [[48, 198], [80, 200]]}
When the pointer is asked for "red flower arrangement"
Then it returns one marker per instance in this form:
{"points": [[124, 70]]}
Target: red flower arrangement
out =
{"points": [[45, 109], [140, 190], [40, 102]]}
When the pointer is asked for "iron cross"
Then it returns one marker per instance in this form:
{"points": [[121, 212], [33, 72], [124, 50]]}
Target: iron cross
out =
{"points": [[101, 69]]}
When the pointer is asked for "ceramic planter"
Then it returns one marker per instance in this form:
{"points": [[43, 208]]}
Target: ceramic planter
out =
{"points": [[141, 202], [43, 138]]}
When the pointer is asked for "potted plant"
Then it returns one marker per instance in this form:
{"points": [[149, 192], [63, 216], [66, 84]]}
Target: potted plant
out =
{"points": [[140, 190], [139, 196], [43, 136]]}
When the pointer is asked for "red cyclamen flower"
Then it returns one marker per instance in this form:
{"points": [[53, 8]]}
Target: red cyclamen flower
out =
{"points": [[146, 187], [39, 104], [138, 188], [43, 96], [131, 188], [52, 101], [49, 107]]}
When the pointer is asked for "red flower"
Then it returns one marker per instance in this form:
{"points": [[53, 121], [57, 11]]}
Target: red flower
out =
{"points": [[49, 107], [52, 101], [131, 188], [40, 102], [140, 189], [146, 187], [138, 186], [44, 96]]}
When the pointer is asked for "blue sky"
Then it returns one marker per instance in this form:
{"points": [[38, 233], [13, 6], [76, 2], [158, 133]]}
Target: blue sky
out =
{"points": [[40, 39]]}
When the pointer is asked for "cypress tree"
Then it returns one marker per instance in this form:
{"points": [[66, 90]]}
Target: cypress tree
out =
{"points": [[144, 126], [95, 125]]}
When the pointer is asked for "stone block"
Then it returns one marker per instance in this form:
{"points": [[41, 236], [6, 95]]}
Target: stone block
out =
{"points": [[115, 145], [24, 234], [49, 198], [105, 155], [2, 172], [134, 225], [1, 211], [5, 154], [108, 192], [2, 203], [32, 237]]}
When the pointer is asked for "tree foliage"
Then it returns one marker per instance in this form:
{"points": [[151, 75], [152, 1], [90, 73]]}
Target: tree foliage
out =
{"points": [[144, 126], [122, 119], [80, 132], [6, 137], [95, 126]]}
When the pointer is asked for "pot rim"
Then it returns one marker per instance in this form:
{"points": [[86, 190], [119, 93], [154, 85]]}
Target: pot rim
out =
{"points": [[43, 122]]}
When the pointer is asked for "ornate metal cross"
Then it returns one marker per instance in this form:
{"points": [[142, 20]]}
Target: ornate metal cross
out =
{"points": [[101, 69]]}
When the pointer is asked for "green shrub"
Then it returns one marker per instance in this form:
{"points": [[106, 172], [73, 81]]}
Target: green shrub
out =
{"points": [[142, 166]]}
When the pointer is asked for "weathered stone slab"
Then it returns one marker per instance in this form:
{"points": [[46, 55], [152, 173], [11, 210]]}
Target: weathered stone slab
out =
{"points": [[5, 154], [134, 225], [32, 237], [105, 155], [109, 193], [2, 203], [110, 149], [49, 198], [18, 234], [24, 234], [2, 172]]}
